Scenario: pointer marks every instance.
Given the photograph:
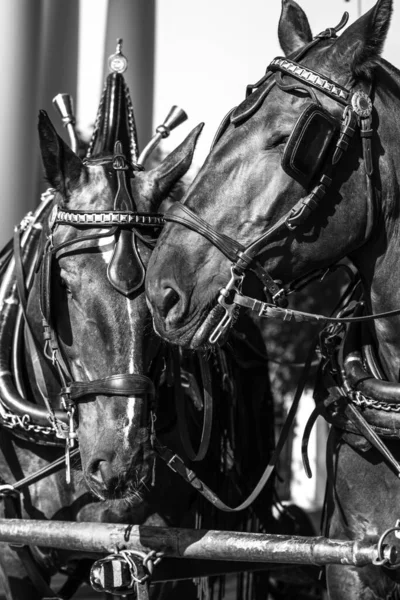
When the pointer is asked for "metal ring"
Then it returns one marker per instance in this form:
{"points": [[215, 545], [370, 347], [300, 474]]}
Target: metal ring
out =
{"points": [[381, 561]]}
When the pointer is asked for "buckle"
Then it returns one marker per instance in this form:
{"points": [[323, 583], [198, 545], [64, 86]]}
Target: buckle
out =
{"points": [[234, 286], [175, 458]]}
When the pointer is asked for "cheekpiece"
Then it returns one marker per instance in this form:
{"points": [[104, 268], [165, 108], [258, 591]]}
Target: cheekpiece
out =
{"points": [[361, 104]]}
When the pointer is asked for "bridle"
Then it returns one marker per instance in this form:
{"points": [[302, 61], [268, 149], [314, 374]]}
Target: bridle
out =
{"points": [[124, 223], [357, 111]]}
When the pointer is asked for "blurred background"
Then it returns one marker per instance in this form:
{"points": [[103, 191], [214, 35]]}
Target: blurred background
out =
{"points": [[199, 54]]}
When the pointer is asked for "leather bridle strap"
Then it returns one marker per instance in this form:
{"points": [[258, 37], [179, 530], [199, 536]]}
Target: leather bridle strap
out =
{"points": [[266, 309], [243, 258], [180, 402], [180, 213], [121, 384]]}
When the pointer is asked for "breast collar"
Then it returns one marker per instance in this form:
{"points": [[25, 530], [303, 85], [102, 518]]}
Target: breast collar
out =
{"points": [[356, 114]]}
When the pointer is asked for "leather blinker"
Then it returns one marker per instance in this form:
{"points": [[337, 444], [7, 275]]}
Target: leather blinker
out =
{"points": [[126, 271], [308, 144]]}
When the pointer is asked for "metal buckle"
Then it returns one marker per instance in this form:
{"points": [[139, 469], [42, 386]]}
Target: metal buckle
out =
{"points": [[175, 458], [234, 285]]}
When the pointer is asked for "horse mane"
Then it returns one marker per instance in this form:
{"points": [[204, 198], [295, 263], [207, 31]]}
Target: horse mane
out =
{"points": [[388, 78]]}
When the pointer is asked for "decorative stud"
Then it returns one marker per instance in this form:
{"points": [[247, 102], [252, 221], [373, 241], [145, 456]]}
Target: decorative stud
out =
{"points": [[361, 104]]}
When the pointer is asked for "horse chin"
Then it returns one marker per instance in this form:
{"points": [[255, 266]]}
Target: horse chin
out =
{"points": [[131, 488]]}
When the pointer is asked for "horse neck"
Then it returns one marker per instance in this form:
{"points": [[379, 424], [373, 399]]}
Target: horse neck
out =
{"points": [[378, 261]]}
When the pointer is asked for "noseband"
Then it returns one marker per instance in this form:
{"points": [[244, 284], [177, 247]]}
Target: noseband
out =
{"points": [[315, 126]]}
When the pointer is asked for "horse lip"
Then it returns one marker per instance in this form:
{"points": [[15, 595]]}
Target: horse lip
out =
{"points": [[195, 333]]}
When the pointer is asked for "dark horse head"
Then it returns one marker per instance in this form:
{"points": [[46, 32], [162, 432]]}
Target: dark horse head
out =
{"points": [[99, 311], [272, 152]]}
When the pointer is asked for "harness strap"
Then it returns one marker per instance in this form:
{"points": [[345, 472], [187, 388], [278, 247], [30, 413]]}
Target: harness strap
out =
{"points": [[121, 384], [355, 417], [243, 258], [176, 464], [200, 453], [180, 213], [266, 309], [32, 341]]}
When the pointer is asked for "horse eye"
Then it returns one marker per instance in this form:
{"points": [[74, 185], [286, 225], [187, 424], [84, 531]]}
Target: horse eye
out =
{"points": [[276, 141]]}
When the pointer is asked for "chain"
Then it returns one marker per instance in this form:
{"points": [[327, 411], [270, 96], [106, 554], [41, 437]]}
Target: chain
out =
{"points": [[328, 345], [11, 421], [365, 402]]}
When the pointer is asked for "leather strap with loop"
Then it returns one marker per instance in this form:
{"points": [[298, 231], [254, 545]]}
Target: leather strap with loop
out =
{"points": [[176, 464]]}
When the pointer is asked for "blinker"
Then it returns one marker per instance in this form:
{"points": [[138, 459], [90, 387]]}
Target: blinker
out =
{"points": [[308, 144]]}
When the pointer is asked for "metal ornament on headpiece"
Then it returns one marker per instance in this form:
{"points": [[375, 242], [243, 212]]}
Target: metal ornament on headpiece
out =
{"points": [[115, 119], [115, 136]]}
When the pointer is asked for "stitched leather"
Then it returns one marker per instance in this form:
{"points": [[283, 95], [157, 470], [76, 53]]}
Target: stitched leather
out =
{"points": [[115, 385], [180, 213]]}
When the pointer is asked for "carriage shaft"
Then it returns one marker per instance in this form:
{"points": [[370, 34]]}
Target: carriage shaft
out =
{"points": [[188, 543]]}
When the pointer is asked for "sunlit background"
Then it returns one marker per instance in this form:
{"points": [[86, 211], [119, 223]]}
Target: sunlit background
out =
{"points": [[199, 54]]}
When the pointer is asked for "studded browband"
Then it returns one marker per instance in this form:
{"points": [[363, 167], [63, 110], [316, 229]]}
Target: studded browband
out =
{"points": [[326, 85], [97, 218]]}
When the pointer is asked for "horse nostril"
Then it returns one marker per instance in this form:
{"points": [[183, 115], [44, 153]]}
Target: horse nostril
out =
{"points": [[169, 301]]}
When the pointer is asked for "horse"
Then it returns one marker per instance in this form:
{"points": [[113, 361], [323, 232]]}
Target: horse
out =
{"points": [[86, 310], [303, 173]]}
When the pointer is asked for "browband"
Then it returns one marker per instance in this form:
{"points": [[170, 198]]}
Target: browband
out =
{"points": [[84, 218], [326, 85]]}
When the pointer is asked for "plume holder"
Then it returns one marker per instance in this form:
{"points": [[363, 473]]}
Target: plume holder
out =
{"points": [[175, 117], [65, 107]]}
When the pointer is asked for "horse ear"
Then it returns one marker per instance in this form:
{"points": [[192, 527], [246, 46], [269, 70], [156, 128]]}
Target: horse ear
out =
{"points": [[62, 166], [358, 47], [294, 29], [154, 186]]}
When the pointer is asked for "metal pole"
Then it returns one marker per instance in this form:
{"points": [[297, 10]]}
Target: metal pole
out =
{"points": [[190, 543]]}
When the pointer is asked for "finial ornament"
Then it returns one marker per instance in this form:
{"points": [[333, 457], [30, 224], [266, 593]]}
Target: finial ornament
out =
{"points": [[118, 63]]}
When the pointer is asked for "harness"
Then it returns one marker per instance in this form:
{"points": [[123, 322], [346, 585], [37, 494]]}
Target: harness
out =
{"points": [[306, 151], [315, 147]]}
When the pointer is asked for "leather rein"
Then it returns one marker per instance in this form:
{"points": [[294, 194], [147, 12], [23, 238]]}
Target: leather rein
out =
{"points": [[356, 115]]}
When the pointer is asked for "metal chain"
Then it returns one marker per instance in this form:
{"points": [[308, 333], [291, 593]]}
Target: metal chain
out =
{"points": [[366, 402], [328, 346], [12, 421]]}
